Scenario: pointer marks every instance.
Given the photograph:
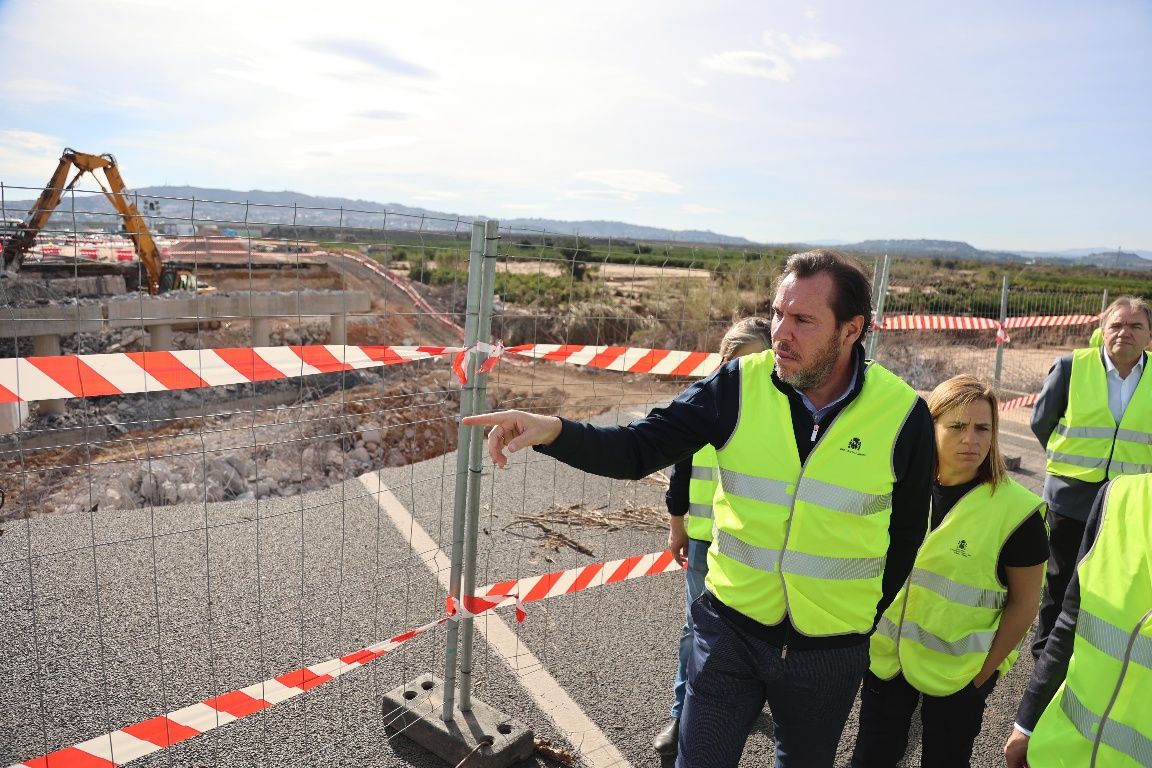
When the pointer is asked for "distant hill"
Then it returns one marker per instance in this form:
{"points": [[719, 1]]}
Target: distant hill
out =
{"points": [[231, 208], [944, 249], [1114, 260], [1076, 253]]}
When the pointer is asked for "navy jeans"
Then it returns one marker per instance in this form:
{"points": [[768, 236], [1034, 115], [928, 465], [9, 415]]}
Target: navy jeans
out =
{"points": [[693, 587], [732, 674]]}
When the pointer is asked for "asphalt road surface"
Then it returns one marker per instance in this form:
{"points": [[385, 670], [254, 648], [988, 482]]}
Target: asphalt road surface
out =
{"points": [[112, 618]]}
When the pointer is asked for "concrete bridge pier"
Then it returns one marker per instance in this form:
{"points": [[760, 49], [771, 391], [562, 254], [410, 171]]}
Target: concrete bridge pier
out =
{"points": [[160, 338], [261, 331], [338, 326], [47, 345]]}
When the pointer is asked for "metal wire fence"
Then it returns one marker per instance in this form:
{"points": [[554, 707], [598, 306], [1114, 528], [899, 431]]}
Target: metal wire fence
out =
{"points": [[238, 538]]}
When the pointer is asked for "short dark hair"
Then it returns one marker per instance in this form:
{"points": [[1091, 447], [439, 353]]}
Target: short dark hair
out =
{"points": [[853, 295]]}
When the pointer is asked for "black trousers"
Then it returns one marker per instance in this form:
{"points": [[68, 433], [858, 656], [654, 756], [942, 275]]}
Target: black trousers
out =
{"points": [[1064, 537], [951, 723]]}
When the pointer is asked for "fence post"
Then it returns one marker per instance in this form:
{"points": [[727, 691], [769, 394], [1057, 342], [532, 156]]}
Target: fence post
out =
{"points": [[880, 293], [999, 339], [1104, 302], [463, 438], [476, 462]]}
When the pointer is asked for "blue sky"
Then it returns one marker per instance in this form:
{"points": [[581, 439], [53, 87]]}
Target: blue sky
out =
{"points": [[1024, 125]]}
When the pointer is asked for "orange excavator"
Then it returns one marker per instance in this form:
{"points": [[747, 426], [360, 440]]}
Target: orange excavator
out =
{"points": [[161, 279]]}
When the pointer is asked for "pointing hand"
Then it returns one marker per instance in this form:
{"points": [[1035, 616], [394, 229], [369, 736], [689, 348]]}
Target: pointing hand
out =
{"points": [[513, 430]]}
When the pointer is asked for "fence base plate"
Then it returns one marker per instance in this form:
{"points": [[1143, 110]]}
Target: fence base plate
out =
{"points": [[414, 709]]}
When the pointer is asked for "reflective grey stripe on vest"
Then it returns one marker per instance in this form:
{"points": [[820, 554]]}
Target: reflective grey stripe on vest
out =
{"points": [[757, 488], [842, 499], [1132, 436], [798, 563], [955, 592], [887, 628], [700, 510], [704, 473], [1078, 461], [1119, 736], [1113, 640], [827, 495], [1099, 433], [977, 642], [1128, 468]]}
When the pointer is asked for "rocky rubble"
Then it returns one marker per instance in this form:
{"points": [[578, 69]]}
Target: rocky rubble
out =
{"points": [[340, 426]]}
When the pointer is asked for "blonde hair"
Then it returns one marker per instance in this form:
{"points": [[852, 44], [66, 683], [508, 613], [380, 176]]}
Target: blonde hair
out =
{"points": [[964, 390], [747, 331]]}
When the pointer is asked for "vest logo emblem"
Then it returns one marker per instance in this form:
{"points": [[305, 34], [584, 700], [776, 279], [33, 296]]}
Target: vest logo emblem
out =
{"points": [[854, 446], [961, 548]]}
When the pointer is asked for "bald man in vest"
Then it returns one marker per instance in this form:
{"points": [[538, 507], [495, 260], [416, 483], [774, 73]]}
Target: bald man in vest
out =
{"points": [[1094, 418], [825, 463]]}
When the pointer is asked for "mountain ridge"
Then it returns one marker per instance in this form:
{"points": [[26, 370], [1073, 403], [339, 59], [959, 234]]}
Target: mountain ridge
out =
{"points": [[211, 205]]}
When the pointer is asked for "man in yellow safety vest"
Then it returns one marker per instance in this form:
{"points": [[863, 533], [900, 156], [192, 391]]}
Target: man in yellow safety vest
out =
{"points": [[825, 463], [1094, 419]]}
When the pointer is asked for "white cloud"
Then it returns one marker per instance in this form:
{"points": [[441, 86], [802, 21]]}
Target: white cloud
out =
{"points": [[802, 49], [769, 66], [633, 181], [699, 209], [28, 155], [776, 62]]}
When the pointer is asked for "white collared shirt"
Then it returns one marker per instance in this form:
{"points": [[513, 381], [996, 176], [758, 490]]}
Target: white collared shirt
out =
{"points": [[1120, 390]]}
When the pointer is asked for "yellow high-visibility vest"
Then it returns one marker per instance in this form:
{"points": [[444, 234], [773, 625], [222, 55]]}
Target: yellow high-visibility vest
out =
{"points": [[1102, 714], [1087, 444], [701, 489], [807, 539], [940, 627]]}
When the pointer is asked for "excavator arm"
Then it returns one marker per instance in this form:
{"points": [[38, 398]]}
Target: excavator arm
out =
{"points": [[17, 246]]}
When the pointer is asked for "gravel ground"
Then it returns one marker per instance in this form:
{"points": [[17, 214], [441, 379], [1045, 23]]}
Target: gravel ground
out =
{"points": [[118, 616]]}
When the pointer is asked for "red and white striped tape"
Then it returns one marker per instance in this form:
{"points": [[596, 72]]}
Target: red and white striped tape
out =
{"points": [[935, 323], [24, 379], [1026, 401], [962, 323], [126, 744], [629, 359], [522, 591], [1050, 320]]}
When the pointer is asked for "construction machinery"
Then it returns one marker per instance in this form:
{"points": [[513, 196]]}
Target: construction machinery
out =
{"points": [[161, 278]]}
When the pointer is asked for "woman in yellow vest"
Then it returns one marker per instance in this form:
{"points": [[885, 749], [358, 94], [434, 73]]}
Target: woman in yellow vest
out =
{"points": [[975, 588], [689, 498]]}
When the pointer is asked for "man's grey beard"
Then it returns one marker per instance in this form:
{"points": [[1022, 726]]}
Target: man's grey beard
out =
{"points": [[817, 373]]}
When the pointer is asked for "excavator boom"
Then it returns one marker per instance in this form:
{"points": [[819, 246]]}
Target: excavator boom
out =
{"points": [[17, 246]]}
